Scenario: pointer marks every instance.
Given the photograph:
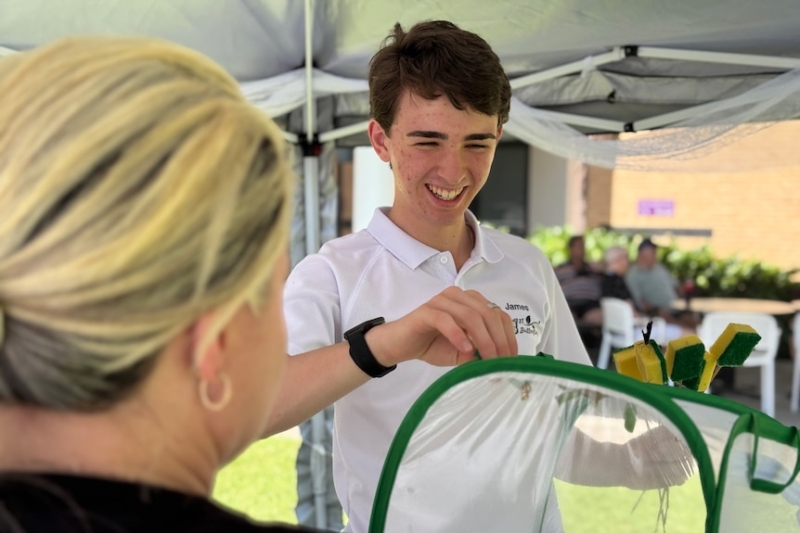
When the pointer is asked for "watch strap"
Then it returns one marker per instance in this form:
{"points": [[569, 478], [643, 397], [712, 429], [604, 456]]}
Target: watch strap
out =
{"points": [[360, 352]]}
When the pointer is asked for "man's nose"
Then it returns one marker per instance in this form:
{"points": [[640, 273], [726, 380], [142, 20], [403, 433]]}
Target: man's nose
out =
{"points": [[452, 166]]}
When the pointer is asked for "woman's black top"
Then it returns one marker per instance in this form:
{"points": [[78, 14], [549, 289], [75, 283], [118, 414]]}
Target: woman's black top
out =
{"points": [[72, 504]]}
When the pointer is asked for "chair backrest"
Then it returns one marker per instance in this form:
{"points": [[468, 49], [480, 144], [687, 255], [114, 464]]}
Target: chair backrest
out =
{"points": [[766, 326], [618, 318], [796, 334]]}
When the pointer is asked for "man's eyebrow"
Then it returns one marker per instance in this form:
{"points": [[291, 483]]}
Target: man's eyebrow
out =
{"points": [[443, 137], [480, 136], [427, 134]]}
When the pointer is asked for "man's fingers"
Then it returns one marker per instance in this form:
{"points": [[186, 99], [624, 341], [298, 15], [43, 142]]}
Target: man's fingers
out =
{"points": [[487, 326], [500, 326]]}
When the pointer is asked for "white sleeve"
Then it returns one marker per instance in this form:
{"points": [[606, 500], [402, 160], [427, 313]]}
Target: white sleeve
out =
{"points": [[560, 337], [312, 306]]}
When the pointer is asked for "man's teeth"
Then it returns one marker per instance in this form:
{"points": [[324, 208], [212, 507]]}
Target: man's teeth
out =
{"points": [[444, 194]]}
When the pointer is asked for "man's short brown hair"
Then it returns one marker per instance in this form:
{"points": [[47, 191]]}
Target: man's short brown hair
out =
{"points": [[437, 58]]}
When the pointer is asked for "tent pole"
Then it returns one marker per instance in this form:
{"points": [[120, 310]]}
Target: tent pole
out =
{"points": [[602, 124], [344, 131], [788, 63], [616, 54], [311, 204]]}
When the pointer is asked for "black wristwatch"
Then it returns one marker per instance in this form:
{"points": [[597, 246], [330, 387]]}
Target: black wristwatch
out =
{"points": [[359, 350]]}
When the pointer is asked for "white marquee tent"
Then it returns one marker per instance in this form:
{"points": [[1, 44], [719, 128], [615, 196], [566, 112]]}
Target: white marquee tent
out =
{"points": [[708, 70]]}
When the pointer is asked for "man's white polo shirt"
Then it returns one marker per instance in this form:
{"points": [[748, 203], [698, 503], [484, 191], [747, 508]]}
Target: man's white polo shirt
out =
{"points": [[382, 271]]}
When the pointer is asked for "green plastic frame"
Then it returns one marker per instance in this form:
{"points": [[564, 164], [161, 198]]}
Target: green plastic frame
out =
{"points": [[660, 397]]}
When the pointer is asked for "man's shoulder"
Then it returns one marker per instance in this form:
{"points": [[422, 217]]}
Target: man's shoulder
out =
{"points": [[513, 245], [337, 257], [349, 249]]}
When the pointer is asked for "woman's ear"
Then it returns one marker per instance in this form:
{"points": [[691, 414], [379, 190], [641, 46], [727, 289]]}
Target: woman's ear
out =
{"points": [[207, 348], [379, 139], [215, 387]]}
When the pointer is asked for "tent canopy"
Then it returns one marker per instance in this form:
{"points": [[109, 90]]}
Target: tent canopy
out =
{"points": [[262, 39]]}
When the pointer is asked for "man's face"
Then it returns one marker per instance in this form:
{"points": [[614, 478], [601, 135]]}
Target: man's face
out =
{"points": [[441, 158], [577, 251], [619, 264], [647, 257]]}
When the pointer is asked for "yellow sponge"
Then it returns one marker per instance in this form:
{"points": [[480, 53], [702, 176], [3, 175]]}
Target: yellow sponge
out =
{"points": [[685, 358], [651, 362], [702, 382], [625, 361], [733, 347]]}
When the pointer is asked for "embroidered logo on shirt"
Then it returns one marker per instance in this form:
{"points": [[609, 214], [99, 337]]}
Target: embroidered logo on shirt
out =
{"points": [[526, 325], [516, 307]]}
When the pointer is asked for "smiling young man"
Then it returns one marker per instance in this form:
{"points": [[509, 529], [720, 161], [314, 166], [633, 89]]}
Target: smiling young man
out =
{"points": [[439, 98]]}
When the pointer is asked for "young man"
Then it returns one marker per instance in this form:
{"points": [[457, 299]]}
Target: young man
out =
{"points": [[439, 98]]}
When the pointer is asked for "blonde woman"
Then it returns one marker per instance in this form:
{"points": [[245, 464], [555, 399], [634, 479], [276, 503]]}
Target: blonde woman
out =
{"points": [[144, 210]]}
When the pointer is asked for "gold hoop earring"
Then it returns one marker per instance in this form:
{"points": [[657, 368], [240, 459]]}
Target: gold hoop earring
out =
{"points": [[227, 394]]}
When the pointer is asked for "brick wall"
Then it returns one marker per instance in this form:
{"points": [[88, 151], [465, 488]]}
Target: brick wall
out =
{"points": [[753, 213]]}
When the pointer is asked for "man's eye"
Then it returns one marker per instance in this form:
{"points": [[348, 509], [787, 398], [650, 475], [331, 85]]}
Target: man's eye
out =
{"points": [[477, 146], [426, 144]]}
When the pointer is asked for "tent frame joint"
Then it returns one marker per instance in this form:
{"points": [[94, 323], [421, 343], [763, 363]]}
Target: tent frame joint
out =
{"points": [[312, 147], [631, 50]]}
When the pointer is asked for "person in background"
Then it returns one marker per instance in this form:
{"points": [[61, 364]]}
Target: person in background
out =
{"points": [[581, 283], [654, 288], [614, 285]]}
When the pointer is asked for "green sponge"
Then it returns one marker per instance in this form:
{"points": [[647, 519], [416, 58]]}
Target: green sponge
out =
{"points": [[685, 358], [735, 344]]}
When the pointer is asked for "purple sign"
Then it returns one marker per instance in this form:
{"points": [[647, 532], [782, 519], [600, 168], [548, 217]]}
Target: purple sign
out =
{"points": [[657, 208]]}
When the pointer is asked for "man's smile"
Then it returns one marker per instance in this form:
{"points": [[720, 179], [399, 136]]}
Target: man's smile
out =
{"points": [[445, 194]]}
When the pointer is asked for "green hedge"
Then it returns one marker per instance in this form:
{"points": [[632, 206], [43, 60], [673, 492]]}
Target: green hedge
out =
{"points": [[713, 276]]}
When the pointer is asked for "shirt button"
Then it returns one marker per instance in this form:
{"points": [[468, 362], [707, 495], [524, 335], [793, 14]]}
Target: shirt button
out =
{"points": [[443, 259]]}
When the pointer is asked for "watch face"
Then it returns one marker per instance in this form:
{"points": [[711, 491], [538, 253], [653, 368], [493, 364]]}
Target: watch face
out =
{"points": [[364, 326]]}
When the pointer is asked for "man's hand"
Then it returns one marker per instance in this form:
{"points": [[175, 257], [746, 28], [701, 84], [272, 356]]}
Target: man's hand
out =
{"points": [[446, 331]]}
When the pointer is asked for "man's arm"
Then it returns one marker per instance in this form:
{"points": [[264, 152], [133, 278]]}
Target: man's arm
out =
{"points": [[445, 331]]}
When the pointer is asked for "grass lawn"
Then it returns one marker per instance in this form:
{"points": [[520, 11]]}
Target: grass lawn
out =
{"points": [[620, 510], [262, 484]]}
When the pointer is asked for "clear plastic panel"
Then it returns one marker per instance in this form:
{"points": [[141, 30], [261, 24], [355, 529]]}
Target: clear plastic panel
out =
{"points": [[745, 510], [714, 424], [520, 452]]}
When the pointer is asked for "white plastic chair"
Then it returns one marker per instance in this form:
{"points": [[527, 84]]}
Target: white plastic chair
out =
{"points": [[621, 328], [764, 353], [796, 367]]}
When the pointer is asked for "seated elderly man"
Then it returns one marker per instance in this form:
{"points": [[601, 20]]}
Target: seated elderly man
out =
{"points": [[617, 264], [654, 288], [581, 283]]}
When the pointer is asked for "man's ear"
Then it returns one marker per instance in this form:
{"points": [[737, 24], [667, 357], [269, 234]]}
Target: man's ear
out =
{"points": [[379, 139], [207, 348], [499, 133]]}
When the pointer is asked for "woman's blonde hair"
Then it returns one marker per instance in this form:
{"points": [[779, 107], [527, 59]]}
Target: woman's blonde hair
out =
{"points": [[138, 190]]}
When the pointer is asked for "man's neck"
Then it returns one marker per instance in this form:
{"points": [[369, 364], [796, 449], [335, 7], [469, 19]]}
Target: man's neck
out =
{"points": [[458, 239]]}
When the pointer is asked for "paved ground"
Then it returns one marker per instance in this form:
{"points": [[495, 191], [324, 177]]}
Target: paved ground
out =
{"points": [[748, 390]]}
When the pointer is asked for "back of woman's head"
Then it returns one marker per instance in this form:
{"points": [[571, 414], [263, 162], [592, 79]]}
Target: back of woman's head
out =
{"points": [[138, 189]]}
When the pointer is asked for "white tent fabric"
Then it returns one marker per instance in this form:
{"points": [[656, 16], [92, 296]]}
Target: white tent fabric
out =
{"points": [[594, 68]]}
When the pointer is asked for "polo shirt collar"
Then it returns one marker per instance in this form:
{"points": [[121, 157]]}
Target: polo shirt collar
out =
{"points": [[485, 247], [412, 252]]}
